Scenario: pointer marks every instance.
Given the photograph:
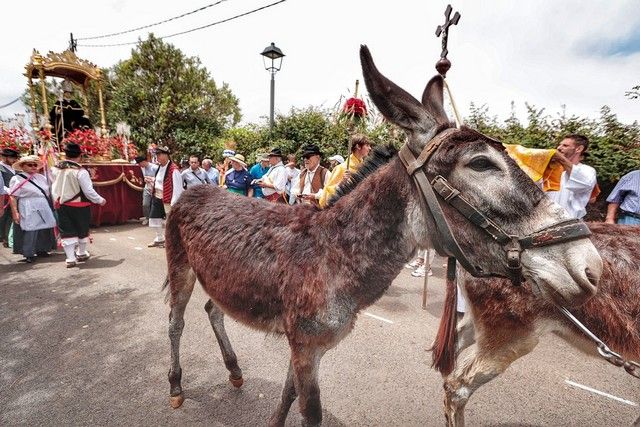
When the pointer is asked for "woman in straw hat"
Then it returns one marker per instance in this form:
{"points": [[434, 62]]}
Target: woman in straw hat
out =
{"points": [[238, 180], [31, 210]]}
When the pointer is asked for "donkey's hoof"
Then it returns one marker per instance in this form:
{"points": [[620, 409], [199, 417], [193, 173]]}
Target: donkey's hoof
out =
{"points": [[237, 382], [176, 401]]}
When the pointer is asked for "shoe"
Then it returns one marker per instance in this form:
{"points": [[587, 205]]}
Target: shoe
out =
{"points": [[71, 264], [144, 221], [420, 271], [155, 244], [43, 254], [83, 258], [27, 260], [414, 264]]}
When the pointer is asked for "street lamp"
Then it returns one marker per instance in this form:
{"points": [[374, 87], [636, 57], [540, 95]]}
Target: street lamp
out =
{"points": [[272, 59]]}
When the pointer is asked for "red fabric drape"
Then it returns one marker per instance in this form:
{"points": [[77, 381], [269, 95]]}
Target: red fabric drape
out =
{"points": [[120, 185]]}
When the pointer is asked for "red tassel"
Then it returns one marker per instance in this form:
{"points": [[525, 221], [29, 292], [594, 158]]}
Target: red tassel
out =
{"points": [[444, 346]]}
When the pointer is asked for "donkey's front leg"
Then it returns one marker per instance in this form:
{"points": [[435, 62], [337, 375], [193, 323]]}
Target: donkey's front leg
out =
{"points": [[216, 318], [487, 359], [306, 362], [288, 396]]}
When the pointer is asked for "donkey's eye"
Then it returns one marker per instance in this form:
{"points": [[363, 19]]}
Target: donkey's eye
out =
{"points": [[481, 164]]}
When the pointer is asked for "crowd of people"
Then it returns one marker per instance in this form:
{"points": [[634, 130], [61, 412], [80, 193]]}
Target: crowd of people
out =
{"points": [[269, 178], [33, 205]]}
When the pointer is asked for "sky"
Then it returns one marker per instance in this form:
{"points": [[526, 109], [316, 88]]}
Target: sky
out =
{"points": [[577, 55]]}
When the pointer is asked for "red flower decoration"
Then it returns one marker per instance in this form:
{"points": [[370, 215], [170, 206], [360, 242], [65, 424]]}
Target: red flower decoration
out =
{"points": [[17, 139], [355, 107]]}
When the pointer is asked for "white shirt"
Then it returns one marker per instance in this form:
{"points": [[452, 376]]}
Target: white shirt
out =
{"points": [[159, 183], [278, 177], [295, 190], [575, 190]]}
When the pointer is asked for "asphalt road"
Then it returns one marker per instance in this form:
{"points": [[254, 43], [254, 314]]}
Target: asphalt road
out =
{"points": [[89, 346]]}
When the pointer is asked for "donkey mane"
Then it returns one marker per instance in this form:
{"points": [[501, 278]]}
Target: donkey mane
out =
{"points": [[378, 157]]}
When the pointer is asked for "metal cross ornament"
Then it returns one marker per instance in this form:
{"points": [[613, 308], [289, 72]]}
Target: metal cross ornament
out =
{"points": [[444, 64]]}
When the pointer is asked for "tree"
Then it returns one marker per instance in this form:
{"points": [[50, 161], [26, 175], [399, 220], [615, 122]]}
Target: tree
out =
{"points": [[166, 96], [634, 93]]}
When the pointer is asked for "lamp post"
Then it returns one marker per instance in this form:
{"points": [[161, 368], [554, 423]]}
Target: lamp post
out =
{"points": [[272, 59]]}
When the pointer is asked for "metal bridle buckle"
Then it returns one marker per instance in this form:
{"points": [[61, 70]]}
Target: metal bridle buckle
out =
{"points": [[514, 251]]}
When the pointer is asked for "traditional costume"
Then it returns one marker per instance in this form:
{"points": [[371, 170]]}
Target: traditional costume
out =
{"points": [[167, 188], [311, 181], [73, 193], [277, 176], [34, 233]]}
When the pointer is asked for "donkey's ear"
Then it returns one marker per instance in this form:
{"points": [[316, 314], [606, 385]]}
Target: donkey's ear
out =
{"points": [[397, 105], [433, 99]]}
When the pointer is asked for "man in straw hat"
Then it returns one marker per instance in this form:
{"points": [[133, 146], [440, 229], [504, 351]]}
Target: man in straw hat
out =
{"points": [[8, 157], [360, 147], [73, 193], [312, 178], [238, 181], [167, 188], [273, 183]]}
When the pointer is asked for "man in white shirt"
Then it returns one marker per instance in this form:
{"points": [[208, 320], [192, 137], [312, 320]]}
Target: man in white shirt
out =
{"points": [[73, 194], [212, 173], [274, 181], [167, 188], [578, 180], [312, 178]]}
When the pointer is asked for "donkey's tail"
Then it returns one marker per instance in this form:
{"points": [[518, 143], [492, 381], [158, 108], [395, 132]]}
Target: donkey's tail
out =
{"points": [[165, 286], [443, 349]]}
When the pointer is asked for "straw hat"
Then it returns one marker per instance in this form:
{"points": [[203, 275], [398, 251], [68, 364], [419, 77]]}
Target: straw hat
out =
{"points": [[239, 158], [27, 159]]}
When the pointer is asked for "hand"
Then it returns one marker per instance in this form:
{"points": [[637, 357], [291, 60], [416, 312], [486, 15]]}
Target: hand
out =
{"points": [[346, 176], [104, 202], [610, 220], [559, 157], [16, 218], [149, 179], [262, 184], [308, 196]]}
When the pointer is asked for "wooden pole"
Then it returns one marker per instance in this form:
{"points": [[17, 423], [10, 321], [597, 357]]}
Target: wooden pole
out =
{"points": [[427, 263]]}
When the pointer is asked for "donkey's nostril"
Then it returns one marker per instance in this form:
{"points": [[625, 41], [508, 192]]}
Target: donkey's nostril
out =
{"points": [[593, 278]]}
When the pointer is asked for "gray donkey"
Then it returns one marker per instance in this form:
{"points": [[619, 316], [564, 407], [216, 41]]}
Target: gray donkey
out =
{"points": [[307, 273]]}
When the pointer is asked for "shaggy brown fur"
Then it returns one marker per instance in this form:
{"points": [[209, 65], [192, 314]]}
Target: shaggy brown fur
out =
{"points": [[307, 273], [509, 319]]}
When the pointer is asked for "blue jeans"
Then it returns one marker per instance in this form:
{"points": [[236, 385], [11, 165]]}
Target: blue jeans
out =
{"points": [[628, 220], [146, 203]]}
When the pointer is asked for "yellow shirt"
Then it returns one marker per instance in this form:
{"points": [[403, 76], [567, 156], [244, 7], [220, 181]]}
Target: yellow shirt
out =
{"points": [[336, 177]]}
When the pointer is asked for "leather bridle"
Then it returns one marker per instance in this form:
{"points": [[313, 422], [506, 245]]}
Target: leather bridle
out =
{"points": [[446, 244]]}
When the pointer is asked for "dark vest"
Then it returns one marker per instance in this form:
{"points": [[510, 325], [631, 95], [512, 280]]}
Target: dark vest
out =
{"points": [[317, 181], [6, 175]]}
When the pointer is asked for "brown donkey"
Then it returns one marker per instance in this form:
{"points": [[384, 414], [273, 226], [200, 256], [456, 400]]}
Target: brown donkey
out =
{"points": [[307, 273], [504, 323]]}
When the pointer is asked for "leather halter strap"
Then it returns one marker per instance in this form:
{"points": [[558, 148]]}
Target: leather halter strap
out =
{"points": [[564, 231]]}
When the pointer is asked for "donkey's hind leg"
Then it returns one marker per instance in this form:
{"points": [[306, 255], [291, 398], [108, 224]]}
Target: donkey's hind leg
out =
{"points": [[306, 363], [288, 396], [181, 283], [216, 318], [488, 358]]}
